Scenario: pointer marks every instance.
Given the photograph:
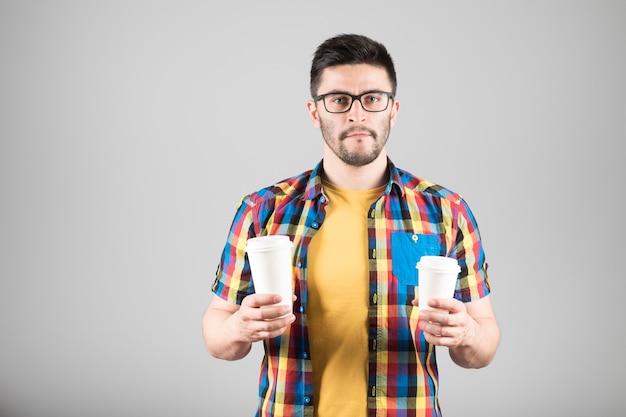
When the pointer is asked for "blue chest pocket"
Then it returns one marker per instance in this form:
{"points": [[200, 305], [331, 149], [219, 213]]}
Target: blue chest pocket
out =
{"points": [[406, 251]]}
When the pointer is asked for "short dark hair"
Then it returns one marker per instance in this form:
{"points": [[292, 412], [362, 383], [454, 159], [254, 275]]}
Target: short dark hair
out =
{"points": [[350, 49]]}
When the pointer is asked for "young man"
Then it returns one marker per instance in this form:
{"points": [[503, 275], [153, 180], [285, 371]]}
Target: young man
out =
{"points": [[358, 344]]}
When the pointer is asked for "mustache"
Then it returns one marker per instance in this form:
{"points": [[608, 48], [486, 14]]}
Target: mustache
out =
{"points": [[356, 129]]}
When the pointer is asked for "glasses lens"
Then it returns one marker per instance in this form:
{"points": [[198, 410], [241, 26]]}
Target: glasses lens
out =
{"points": [[341, 103], [337, 103], [375, 101]]}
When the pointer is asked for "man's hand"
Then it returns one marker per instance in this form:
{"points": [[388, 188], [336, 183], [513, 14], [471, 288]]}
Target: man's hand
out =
{"points": [[469, 330], [260, 318], [229, 329], [451, 327]]}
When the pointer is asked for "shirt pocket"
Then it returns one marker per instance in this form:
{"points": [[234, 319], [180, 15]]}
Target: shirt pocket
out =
{"points": [[406, 251]]}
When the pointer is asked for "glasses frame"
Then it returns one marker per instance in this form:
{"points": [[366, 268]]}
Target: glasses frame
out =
{"points": [[353, 97]]}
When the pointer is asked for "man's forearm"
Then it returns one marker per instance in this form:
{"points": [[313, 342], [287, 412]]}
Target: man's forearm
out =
{"points": [[219, 340], [480, 347]]}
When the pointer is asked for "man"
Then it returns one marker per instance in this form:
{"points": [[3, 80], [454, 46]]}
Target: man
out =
{"points": [[358, 344]]}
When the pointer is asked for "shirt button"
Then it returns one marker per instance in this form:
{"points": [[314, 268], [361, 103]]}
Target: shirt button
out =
{"points": [[301, 309], [322, 199], [315, 225], [305, 355], [307, 399]]}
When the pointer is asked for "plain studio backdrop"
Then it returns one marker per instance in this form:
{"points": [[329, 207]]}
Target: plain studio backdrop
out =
{"points": [[129, 130]]}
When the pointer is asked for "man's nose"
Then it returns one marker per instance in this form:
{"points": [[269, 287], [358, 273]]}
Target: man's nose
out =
{"points": [[357, 112]]}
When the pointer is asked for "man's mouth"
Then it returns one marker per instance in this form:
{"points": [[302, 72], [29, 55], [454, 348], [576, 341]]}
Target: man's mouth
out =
{"points": [[358, 134]]}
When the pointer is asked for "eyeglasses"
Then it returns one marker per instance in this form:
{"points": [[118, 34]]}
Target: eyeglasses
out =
{"points": [[372, 101]]}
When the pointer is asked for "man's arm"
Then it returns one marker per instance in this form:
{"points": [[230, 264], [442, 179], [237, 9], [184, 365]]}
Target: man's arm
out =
{"points": [[229, 329], [470, 330]]}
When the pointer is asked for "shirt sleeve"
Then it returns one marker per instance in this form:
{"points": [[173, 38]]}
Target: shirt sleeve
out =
{"points": [[474, 282], [233, 278]]}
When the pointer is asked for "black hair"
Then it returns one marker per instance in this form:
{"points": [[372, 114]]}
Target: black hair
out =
{"points": [[350, 49]]}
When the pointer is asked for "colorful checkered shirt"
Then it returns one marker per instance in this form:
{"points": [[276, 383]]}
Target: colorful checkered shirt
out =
{"points": [[412, 217]]}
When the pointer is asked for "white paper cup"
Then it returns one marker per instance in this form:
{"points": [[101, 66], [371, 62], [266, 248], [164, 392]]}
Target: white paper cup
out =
{"points": [[437, 277], [270, 264]]}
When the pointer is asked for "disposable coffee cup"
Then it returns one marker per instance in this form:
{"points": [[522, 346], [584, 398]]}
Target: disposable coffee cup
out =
{"points": [[271, 267], [437, 277]]}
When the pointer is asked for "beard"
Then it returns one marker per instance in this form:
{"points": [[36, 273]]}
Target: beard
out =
{"points": [[355, 158]]}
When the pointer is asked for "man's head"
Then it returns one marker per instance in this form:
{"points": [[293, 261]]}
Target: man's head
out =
{"points": [[353, 83], [350, 49]]}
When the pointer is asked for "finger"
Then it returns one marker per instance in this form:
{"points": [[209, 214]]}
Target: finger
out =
{"points": [[439, 330], [259, 300], [438, 340], [439, 303], [274, 312], [435, 316], [449, 304], [274, 328], [432, 328]]}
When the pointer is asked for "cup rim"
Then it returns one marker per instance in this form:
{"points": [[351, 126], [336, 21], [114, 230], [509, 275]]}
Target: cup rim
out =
{"points": [[267, 243], [438, 263]]}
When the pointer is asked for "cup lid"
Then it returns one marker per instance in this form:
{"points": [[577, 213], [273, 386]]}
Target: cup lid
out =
{"points": [[266, 243], [439, 263]]}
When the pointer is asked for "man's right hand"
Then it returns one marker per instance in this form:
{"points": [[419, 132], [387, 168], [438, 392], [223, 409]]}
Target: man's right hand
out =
{"points": [[260, 318], [229, 329]]}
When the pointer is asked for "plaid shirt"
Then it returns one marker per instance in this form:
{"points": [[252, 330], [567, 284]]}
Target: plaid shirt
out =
{"points": [[413, 217]]}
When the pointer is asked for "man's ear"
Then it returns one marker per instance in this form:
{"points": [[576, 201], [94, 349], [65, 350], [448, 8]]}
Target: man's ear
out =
{"points": [[395, 108], [312, 108]]}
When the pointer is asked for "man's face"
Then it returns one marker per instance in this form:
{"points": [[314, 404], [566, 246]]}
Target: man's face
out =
{"points": [[356, 137]]}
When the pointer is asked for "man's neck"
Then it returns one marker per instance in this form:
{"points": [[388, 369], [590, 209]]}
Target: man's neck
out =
{"points": [[365, 177]]}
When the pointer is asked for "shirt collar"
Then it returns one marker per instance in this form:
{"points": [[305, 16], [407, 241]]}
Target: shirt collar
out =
{"points": [[314, 185]]}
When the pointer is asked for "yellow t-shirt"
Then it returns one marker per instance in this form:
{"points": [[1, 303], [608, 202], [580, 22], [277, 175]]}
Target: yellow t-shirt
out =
{"points": [[338, 287]]}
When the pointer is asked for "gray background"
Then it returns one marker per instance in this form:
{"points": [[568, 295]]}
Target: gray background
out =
{"points": [[129, 130]]}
